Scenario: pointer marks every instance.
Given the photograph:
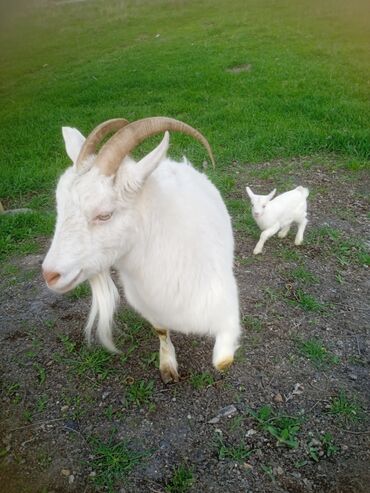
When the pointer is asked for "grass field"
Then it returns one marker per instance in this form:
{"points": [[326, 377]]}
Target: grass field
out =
{"points": [[281, 90], [305, 89]]}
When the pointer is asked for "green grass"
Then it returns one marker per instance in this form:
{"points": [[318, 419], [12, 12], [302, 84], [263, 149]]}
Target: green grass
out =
{"points": [[140, 393], [289, 254], [334, 242], [303, 275], [345, 407], [201, 380], [112, 462], [306, 301], [315, 351], [283, 428], [252, 323], [68, 344], [243, 221], [133, 325], [151, 359], [322, 447], [19, 232], [41, 403], [237, 453], [95, 363], [181, 481], [305, 93], [81, 291], [76, 406], [13, 392], [41, 373]]}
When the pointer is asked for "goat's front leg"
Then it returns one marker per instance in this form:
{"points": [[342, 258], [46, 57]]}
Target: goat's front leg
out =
{"points": [[301, 227], [225, 346], [167, 357], [265, 235]]}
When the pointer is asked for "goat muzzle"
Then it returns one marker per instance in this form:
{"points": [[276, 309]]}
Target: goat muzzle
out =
{"points": [[50, 277]]}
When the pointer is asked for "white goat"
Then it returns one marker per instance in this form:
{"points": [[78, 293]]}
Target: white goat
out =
{"points": [[279, 214], [160, 224]]}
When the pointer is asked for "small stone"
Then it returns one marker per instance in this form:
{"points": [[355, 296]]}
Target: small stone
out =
{"points": [[352, 376], [71, 479], [248, 466], [279, 471], [105, 395], [298, 389], [227, 411], [308, 483], [71, 425], [64, 409], [189, 416], [259, 453], [250, 432], [92, 474], [278, 398], [65, 472]]}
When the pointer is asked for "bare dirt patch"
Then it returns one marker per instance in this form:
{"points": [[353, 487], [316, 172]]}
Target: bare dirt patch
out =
{"points": [[245, 67], [298, 390]]}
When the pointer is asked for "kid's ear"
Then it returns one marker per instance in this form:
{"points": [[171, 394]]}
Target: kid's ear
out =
{"points": [[73, 140], [270, 195], [250, 193]]}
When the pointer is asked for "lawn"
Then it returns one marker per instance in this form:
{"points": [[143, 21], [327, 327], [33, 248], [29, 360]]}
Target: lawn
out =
{"points": [[281, 91]]}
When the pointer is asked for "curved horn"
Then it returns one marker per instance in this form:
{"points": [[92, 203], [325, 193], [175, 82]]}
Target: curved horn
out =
{"points": [[89, 146], [125, 140]]}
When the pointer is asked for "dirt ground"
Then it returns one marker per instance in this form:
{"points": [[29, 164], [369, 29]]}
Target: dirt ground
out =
{"points": [[64, 408]]}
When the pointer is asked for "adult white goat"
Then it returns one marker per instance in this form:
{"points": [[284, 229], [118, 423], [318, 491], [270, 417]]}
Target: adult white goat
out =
{"points": [[160, 224], [279, 214]]}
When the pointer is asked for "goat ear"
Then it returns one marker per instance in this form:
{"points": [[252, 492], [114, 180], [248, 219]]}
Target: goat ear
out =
{"points": [[148, 164], [73, 140], [250, 193], [271, 194]]}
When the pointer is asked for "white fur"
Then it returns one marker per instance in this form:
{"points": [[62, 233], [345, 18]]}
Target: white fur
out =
{"points": [[279, 214], [169, 239]]}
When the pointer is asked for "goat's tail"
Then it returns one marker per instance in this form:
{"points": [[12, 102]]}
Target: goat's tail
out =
{"points": [[305, 192], [105, 298]]}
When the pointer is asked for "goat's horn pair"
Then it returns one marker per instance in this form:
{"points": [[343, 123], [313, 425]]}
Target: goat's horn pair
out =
{"points": [[97, 135], [127, 138]]}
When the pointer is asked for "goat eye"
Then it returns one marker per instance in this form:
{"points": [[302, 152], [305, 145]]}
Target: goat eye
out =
{"points": [[104, 217]]}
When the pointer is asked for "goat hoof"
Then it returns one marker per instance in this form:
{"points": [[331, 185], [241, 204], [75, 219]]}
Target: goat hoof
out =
{"points": [[225, 363], [169, 375]]}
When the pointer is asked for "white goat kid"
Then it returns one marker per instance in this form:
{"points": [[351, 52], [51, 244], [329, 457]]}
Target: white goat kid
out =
{"points": [[279, 214], [160, 224]]}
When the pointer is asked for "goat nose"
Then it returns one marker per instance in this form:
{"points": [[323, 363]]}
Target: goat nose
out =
{"points": [[50, 277]]}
